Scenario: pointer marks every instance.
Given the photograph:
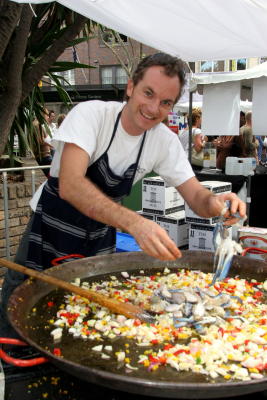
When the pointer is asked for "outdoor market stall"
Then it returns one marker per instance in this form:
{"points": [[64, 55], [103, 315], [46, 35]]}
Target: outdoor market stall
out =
{"points": [[163, 25], [222, 103]]}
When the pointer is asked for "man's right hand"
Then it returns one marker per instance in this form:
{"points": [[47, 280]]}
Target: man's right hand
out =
{"points": [[154, 240]]}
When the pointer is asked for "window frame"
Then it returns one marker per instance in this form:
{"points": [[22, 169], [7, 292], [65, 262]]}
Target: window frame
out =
{"points": [[114, 80]]}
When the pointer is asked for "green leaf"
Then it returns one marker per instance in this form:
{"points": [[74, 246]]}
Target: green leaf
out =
{"points": [[78, 40], [60, 66]]}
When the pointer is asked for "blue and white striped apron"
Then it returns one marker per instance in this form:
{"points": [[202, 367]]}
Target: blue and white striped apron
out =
{"points": [[59, 229]]}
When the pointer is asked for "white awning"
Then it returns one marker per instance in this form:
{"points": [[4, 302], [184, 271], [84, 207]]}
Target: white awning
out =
{"points": [[191, 29], [244, 76]]}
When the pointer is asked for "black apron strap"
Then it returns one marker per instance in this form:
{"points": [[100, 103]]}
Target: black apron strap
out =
{"points": [[138, 158], [114, 130]]}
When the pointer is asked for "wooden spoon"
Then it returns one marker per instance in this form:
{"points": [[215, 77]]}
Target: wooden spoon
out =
{"points": [[117, 307]]}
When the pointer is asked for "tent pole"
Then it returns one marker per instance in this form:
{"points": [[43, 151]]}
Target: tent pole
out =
{"points": [[248, 198], [190, 127]]}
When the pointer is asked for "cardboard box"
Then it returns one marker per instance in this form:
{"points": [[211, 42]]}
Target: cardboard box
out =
{"points": [[152, 217], [176, 227], [250, 236], [215, 187], [160, 199], [200, 237]]}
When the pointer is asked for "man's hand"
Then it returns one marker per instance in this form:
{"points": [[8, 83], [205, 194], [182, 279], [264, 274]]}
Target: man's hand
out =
{"points": [[154, 240], [233, 214]]}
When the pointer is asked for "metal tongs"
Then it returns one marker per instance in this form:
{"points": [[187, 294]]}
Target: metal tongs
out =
{"points": [[225, 248]]}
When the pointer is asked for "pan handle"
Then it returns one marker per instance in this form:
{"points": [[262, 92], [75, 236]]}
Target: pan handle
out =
{"points": [[242, 238], [254, 250], [55, 261], [16, 361]]}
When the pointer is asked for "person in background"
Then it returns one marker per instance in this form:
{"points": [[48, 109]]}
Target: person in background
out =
{"points": [[242, 120], [102, 149], [60, 119], [51, 122], [41, 148], [198, 139], [260, 149], [53, 129], [227, 146], [249, 142]]}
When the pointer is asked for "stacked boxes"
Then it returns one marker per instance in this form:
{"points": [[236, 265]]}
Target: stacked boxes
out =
{"points": [[176, 227], [160, 199], [164, 205], [201, 229], [147, 215]]}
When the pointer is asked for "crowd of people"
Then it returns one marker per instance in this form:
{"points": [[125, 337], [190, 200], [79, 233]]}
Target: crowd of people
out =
{"points": [[43, 134], [243, 145]]}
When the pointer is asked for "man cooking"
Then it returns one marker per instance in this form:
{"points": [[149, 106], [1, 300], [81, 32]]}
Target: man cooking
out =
{"points": [[102, 149]]}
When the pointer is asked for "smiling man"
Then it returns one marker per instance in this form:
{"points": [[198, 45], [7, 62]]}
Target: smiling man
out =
{"points": [[102, 149]]}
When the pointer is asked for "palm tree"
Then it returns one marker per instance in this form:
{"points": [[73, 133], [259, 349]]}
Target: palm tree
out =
{"points": [[31, 40]]}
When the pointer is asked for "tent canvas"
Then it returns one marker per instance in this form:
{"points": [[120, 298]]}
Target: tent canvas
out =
{"points": [[245, 77], [191, 29], [252, 81]]}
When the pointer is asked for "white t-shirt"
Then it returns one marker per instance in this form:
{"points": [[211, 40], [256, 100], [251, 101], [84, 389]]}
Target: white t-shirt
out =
{"points": [[90, 124]]}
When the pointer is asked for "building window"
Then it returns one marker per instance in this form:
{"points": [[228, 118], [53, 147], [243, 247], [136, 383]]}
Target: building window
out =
{"points": [[212, 66], [218, 66], [106, 75], [69, 77], [121, 76], [192, 66], [237, 65], [113, 75]]}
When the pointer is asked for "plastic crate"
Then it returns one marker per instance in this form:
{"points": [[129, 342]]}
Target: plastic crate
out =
{"points": [[126, 242]]}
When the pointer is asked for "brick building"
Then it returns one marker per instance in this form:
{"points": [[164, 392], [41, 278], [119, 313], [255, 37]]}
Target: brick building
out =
{"points": [[106, 79]]}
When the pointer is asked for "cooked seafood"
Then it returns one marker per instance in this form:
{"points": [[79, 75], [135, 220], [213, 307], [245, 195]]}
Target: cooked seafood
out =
{"points": [[218, 330], [225, 248]]}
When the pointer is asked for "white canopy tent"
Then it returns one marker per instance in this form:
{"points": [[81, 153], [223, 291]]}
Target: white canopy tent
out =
{"points": [[221, 99], [191, 29], [245, 76]]}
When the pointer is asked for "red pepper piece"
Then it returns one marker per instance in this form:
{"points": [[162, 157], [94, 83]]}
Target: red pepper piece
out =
{"points": [[181, 351], [57, 351]]}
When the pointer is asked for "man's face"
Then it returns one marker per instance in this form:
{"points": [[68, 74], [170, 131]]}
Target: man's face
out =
{"points": [[150, 100], [51, 117]]}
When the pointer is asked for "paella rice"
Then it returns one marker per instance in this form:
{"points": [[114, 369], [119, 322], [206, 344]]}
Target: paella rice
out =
{"points": [[216, 330]]}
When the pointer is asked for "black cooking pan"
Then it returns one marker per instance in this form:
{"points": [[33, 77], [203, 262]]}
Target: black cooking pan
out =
{"points": [[167, 383]]}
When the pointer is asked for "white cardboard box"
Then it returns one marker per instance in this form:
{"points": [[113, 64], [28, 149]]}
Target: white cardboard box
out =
{"points": [[175, 226], [159, 198], [250, 236], [152, 217], [216, 187], [200, 237]]}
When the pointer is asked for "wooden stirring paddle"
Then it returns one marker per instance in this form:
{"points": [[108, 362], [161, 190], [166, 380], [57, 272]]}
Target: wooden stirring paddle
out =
{"points": [[117, 307]]}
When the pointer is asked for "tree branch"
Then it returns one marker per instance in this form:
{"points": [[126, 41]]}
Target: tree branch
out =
{"points": [[34, 74], [11, 100], [9, 17]]}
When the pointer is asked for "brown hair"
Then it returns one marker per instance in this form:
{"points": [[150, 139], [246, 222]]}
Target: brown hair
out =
{"points": [[196, 113], [173, 66], [60, 119]]}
